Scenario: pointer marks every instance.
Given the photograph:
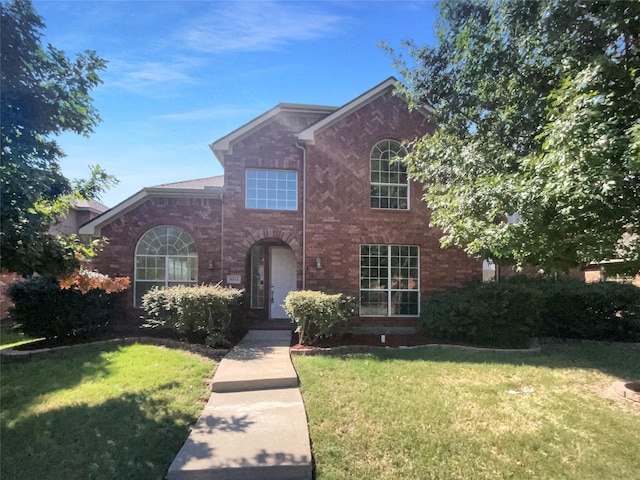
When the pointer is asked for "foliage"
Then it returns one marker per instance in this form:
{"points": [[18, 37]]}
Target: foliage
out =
{"points": [[511, 312], [596, 311], [43, 94], [503, 314], [86, 304], [538, 108], [85, 280], [318, 315], [204, 314]]}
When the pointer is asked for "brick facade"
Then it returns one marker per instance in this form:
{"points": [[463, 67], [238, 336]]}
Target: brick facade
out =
{"points": [[199, 217], [338, 212]]}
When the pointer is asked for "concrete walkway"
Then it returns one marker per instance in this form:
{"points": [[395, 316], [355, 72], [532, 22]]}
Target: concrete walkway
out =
{"points": [[254, 425]]}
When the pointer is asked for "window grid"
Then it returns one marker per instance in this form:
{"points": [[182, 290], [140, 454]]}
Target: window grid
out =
{"points": [[165, 256], [389, 280], [389, 180], [271, 189]]}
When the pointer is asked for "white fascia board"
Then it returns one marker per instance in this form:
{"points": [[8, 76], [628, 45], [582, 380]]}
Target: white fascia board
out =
{"points": [[224, 146], [307, 136], [93, 227]]}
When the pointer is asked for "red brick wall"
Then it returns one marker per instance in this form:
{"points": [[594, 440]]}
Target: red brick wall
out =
{"points": [[339, 216], [272, 146], [339, 213], [199, 217]]}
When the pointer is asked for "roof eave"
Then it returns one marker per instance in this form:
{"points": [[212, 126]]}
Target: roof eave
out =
{"points": [[224, 145], [307, 136], [94, 227]]}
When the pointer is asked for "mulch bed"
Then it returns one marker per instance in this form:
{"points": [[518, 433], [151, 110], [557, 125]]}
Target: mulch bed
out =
{"points": [[370, 340]]}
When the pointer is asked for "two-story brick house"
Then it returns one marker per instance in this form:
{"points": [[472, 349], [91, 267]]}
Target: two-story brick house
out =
{"points": [[310, 199]]}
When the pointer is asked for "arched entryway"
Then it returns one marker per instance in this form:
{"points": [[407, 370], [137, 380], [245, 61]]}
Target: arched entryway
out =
{"points": [[272, 273]]}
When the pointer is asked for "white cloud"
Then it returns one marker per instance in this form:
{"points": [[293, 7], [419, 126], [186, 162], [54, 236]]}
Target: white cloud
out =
{"points": [[214, 113], [260, 26], [145, 76]]}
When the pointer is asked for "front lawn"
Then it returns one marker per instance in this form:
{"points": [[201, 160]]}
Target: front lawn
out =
{"points": [[101, 412], [453, 414], [10, 337]]}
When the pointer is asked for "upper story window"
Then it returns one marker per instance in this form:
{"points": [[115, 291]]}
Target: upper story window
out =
{"points": [[389, 180], [271, 189], [165, 256]]}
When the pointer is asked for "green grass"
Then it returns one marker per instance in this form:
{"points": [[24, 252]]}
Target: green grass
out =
{"points": [[10, 337], [101, 412], [448, 414]]}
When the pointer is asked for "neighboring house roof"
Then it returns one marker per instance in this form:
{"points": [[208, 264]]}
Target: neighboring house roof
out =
{"points": [[308, 135], [210, 187], [224, 145], [90, 205]]}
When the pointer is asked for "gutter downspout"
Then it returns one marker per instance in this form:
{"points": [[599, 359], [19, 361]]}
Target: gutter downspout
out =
{"points": [[222, 237], [304, 214]]}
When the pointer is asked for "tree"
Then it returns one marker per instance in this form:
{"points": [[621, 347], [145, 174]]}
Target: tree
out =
{"points": [[538, 107], [43, 94]]}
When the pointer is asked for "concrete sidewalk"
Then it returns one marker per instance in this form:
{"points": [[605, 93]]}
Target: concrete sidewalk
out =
{"points": [[254, 425]]}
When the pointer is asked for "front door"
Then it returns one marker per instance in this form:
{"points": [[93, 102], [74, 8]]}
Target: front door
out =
{"points": [[283, 279]]}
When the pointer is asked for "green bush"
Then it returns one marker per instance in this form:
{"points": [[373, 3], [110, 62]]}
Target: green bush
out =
{"points": [[492, 314], [318, 315], [594, 311], [510, 313], [203, 314], [42, 309]]}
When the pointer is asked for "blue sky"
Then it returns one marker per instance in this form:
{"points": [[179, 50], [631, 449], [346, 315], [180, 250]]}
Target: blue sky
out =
{"points": [[182, 74]]}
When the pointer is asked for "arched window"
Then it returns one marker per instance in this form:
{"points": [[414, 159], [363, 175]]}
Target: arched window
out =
{"points": [[165, 256], [389, 180]]}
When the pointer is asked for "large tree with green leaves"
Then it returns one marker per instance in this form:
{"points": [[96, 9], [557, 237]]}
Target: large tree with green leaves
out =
{"points": [[538, 107], [43, 94]]}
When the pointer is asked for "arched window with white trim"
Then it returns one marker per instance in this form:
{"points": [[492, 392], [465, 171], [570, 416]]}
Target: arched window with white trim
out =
{"points": [[389, 179], [165, 256]]}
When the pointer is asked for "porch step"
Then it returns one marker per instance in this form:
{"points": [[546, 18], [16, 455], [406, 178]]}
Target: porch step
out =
{"points": [[248, 435], [261, 361]]}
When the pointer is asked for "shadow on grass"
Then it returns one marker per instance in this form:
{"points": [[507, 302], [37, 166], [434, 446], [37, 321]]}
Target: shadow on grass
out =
{"points": [[132, 437], [616, 359]]}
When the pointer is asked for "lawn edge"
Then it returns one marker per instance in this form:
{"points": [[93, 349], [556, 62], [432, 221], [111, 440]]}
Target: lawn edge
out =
{"points": [[12, 355]]}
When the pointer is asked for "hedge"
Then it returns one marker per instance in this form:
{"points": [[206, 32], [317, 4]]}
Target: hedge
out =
{"points": [[206, 314], [512, 312], [41, 308], [318, 315]]}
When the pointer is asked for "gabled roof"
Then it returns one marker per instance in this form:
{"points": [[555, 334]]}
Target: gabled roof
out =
{"points": [[308, 135], [197, 184], [224, 145], [210, 187]]}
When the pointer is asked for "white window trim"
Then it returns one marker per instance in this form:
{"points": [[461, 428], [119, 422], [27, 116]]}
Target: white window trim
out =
{"points": [[388, 289], [381, 184], [246, 190], [166, 265]]}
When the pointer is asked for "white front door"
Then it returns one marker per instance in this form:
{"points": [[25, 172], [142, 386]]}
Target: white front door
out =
{"points": [[283, 279]]}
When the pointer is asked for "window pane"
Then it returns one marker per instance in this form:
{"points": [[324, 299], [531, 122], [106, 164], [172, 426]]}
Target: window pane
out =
{"points": [[389, 272], [388, 176], [271, 189]]}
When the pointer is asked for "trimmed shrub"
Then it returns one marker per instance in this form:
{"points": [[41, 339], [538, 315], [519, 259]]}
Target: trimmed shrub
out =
{"points": [[594, 311], [318, 315], [505, 315], [42, 308], [510, 313], [204, 314]]}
